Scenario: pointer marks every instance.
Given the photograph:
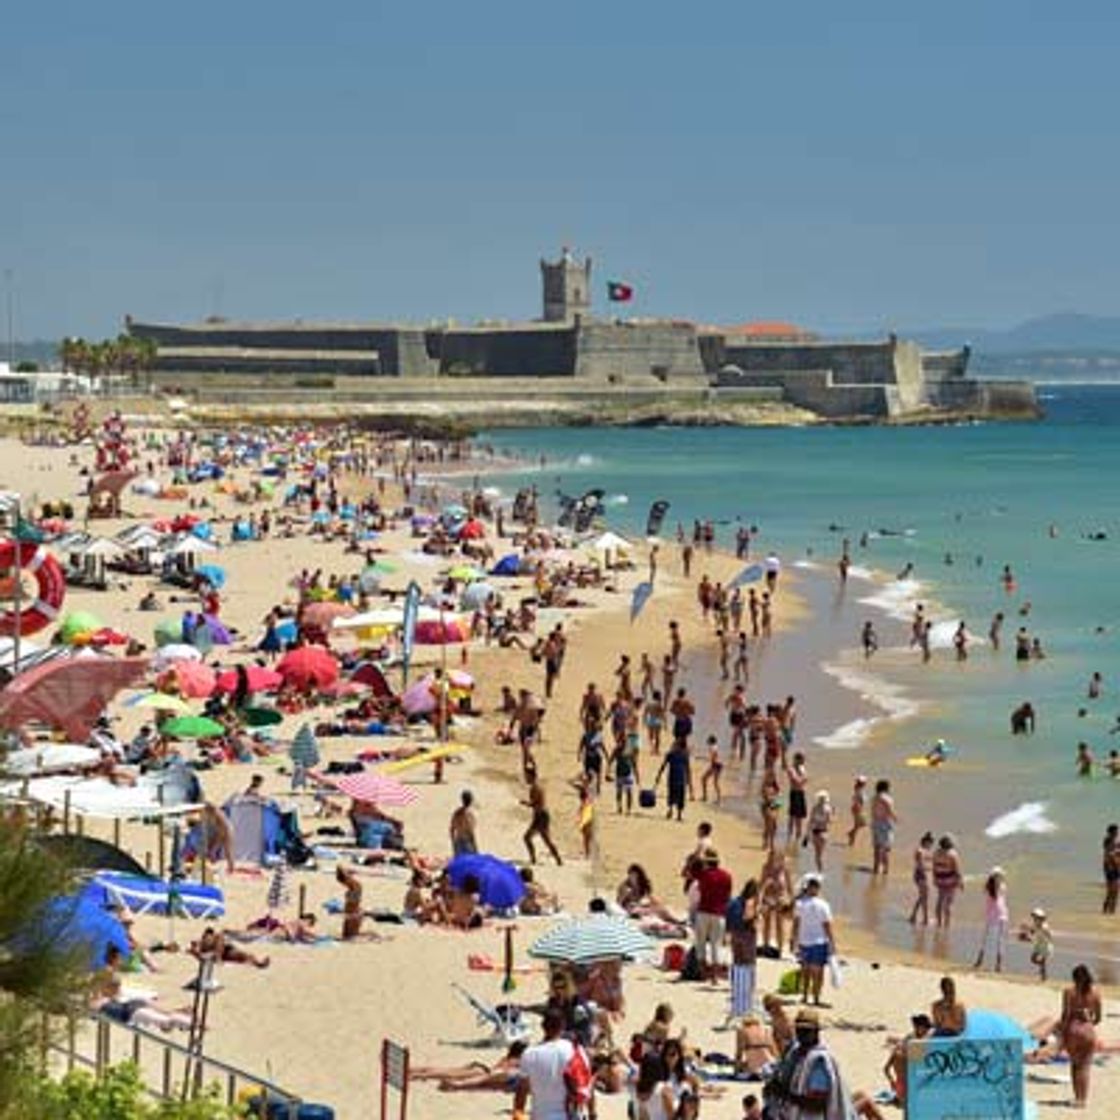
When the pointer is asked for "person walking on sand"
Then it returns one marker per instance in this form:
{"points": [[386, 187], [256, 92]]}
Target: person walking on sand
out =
{"points": [[798, 811], [769, 806], [820, 820], [463, 825], [858, 808], [624, 761], [883, 820], [947, 878], [713, 771], [775, 897], [540, 823], [1077, 1028], [923, 873], [676, 761], [996, 917]]}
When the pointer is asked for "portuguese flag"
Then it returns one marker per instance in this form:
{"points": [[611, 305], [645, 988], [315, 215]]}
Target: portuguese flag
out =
{"points": [[617, 292]]}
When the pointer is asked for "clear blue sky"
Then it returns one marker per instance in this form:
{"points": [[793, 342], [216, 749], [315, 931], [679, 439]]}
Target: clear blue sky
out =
{"points": [[841, 165]]}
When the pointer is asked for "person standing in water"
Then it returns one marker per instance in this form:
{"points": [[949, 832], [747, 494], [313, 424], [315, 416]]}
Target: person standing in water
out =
{"points": [[947, 878], [859, 809], [883, 820], [1110, 851], [994, 630], [996, 917], [923, 873]]}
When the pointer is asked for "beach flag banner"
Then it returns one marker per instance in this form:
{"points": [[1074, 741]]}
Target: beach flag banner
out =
{"points": [[408, 624], [752, 573], [618, 292], [640, 597], [656, 517], [974, 1077], [394, 1075]]}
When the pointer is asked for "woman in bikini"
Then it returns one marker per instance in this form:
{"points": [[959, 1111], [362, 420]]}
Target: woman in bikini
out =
{"points": [[949, 1015], [947, 878], [775, 895], [923, 872], [1077, 1028]]}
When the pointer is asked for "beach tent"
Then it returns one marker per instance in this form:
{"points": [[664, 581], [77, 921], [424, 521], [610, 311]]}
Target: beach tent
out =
{"points": [[508, 566], [256, 827], [143, 894], [609, 542], [68, 694], [75, 923]]}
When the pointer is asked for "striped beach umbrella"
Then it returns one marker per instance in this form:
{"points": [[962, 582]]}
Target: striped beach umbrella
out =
{"points": [[374, 788], [597, 938]]}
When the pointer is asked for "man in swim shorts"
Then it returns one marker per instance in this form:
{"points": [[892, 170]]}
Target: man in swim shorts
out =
{"points": [[883, 820]]}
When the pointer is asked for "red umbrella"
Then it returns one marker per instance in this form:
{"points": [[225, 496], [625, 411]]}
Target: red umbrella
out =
{"points": [[435, 633], [374, 788], [260, 679], [309, 666], [68, 693], [473, 530], [194, 679]]}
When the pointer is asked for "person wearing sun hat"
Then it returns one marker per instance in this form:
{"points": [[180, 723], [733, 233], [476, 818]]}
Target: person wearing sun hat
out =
{"points": [[807, 1084], [996, 917]]}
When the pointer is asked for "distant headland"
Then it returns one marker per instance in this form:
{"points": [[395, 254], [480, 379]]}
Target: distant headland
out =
{"points": [[572, 366]]}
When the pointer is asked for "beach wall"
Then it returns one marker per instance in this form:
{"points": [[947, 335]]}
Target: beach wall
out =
{"points": [[854, 363], [531, 351]]}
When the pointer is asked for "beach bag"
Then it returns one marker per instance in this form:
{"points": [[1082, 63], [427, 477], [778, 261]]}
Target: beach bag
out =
{"points": [[673, 957], [647, 799], [691, 969], [834, 973], [790, 982]]}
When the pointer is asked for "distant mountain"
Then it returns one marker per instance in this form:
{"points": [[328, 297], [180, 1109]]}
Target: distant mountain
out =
{"points": [[1065, 333]]}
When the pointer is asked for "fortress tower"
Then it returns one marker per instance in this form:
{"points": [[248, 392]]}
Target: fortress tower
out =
{"points": [[566, 287]]}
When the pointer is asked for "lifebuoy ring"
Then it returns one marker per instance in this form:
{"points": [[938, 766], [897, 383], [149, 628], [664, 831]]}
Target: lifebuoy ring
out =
{"points": [[35, 559]]}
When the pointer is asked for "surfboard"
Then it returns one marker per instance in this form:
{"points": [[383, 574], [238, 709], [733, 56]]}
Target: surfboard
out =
{"points": [[432, 755]]}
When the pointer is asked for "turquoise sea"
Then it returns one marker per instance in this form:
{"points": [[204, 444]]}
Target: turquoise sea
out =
{"points": [[958, 503]]}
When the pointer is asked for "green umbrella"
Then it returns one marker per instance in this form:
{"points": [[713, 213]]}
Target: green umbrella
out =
{"points": [[192, 727], [77, 623], [169, 632], [261, 717]]}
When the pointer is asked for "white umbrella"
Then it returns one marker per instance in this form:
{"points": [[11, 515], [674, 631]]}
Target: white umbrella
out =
{"points": [[175, 651]]}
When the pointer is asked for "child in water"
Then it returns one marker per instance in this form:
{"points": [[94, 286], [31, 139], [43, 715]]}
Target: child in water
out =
{"points": [[1041, 938]]}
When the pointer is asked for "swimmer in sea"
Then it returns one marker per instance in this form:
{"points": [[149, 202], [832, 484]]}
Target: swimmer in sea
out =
{"points": [[1096, 684], [1084, 761], [1007, 579], [1113, 764], [960, 642], [906, 572], [937, 754], [868, 639], [994, 629]]}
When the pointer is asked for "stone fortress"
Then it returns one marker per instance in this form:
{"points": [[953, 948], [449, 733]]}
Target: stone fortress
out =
{"points": [[572, 352]]}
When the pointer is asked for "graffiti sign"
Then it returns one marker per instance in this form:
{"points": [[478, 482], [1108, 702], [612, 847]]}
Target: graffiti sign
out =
{"points": [[964, 1079]]}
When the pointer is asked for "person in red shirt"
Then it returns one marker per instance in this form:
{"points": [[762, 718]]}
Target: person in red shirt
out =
{"points": [[715, 886]]}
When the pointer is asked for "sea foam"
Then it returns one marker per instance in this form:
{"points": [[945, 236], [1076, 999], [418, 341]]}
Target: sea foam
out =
{"points": [[1028, 817], [891, 699]]}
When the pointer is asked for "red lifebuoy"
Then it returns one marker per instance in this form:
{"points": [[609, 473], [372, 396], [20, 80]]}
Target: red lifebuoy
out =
{"points": [[35, 559]]}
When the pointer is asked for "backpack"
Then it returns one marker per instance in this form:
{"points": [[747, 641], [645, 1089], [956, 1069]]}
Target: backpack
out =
{"points": [[691, 969]]}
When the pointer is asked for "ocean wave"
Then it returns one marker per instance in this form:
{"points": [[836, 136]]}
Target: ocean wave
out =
{"points": [[897, 598], [891, 699], [807, 565], [584, 459], [858, 571], [1028, 817], [617, 500]]}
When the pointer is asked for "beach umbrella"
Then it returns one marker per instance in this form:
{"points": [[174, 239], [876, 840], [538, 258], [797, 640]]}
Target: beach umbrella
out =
{"points": [[169, 631], [278, 892], [475, 595], [473, 530], [261, 717], [68, 693], [49, 758], [465, 573], [436, 633], [596, 938], [455, 511], [76, 624], [175, 651], [192, 727], [508, 566], [419, 698], [106, 636], [308, 666], [459, 679], [373, 787], [499, 882], [161, 702], [260, 679], [305, 748], [212, 574], [320, 616], [192, 678]]}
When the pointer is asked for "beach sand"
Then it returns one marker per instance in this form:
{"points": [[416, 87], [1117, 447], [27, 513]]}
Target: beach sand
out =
{"points": [[315, 1020]]}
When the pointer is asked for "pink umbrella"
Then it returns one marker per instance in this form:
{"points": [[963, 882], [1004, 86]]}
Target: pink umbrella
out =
{"points": [[68, 693], [432, 632], [374, 788], [194, 679], [419, 699], [309, 666], [319, 616], [260, 679]]}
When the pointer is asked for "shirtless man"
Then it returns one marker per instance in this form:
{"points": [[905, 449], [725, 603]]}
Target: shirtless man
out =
{"points": [[540, 823], [675, 646], [742, 660], [859, 809], [527, 719], [462, 826], [883, 820]]}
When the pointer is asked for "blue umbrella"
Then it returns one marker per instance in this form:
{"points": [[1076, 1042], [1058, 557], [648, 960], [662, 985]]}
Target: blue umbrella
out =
{"points": [[508, 566], [499, 882], [213, 575]]}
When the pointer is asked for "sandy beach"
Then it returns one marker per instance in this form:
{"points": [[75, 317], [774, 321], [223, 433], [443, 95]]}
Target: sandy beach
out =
{"points": [[315, 1019]]}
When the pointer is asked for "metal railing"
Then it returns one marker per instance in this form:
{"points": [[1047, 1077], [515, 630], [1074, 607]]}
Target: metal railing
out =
{"points": [[167, 1069]]}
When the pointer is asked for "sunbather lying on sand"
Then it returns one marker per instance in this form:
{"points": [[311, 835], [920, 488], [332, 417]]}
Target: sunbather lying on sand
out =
{"points": [[501, 1076]]}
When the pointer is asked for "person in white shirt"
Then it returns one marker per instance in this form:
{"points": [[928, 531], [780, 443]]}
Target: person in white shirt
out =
{"points": [[541, 1075], [812, 938]]}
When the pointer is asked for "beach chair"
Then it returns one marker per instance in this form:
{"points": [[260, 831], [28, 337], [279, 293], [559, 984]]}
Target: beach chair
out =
{"points": [[505, 1019]]}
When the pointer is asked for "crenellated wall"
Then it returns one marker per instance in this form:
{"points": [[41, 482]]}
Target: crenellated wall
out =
{"points": [[624, 350]]}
